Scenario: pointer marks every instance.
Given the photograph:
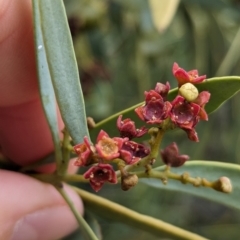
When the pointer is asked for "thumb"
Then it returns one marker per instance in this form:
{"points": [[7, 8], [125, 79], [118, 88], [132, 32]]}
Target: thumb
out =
{"points": [[25, 136], [33, 210]]}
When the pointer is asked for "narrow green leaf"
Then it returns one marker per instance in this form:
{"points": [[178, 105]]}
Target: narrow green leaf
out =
{"points": [[205, 169], [57, 44], [221, 89], [45, 84]]}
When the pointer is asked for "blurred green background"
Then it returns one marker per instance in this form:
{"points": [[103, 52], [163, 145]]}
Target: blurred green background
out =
{"points": [[123, 47]]}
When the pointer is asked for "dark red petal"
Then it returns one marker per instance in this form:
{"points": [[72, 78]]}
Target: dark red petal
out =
{"points": [[178, 100], [192, 135], [139, 112], [182, 76], [202, 98], [119, 122], [126, 156], [199, 79], [152, 95], [141, 132], [120, 141], [175, 68], [162, 89], [193, 73], [96, 186], [88, 144]]}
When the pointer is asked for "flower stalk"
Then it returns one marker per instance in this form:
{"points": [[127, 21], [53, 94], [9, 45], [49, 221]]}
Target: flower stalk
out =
{"points": [[223, 184], [62, 168]]}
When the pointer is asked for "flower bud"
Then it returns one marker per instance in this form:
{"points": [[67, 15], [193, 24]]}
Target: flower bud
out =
{"points": [[128, 181], [171, 157], [223, 184], [188, 91], [90, 123]]}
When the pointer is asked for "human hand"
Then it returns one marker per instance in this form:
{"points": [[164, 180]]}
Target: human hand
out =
{"points": [[29, 209]]}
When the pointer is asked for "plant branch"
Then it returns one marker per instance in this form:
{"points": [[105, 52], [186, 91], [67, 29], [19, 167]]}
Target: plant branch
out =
{"points": [[120, 213], [74, 178], [86, 230], [62, 167], [155, 142], [221, 184]]}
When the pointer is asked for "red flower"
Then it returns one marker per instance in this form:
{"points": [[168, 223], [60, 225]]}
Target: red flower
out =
{"points": [[185, 115], [170, 156], [154, 112], [183, 76], [127, 128], [100, 174], [155, 109], [132, 152], [108, 148], [85, 151]]}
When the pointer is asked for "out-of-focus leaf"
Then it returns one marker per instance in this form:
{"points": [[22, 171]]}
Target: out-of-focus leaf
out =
{"points": [[221, 89], [163, 12], [211, 171], [57, 44], [45, 83], [231, 57]]}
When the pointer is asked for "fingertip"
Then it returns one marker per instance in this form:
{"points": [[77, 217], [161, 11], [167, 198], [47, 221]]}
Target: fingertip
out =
{"points": [[17, 64], [34, 210]]}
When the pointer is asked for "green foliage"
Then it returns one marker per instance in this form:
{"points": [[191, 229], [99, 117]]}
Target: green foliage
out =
{"points": [[56, 62], [45, 83]]}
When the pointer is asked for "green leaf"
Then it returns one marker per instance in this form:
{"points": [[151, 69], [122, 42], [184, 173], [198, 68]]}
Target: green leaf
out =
{"points": [[45, 84], [55, 39], [221, 89], [205, 169]]}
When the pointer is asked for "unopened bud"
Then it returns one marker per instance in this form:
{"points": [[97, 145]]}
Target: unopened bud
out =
{"points": [[188, 91], [90, 122], [223, 184], [128, 181], [171, 157]]}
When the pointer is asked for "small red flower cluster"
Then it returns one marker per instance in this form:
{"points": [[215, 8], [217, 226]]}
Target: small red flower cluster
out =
{"points": [[108, 149], [183, 114]]}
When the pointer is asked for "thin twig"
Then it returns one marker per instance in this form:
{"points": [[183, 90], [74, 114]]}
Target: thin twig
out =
{"points": [[117, 212], [86, 230]]}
